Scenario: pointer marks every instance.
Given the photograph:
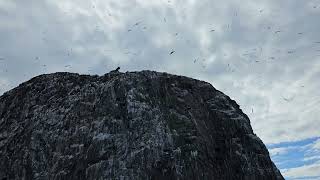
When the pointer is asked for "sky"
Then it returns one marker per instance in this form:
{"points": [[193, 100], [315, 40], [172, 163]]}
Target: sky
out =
{"points": [[264, 54]]}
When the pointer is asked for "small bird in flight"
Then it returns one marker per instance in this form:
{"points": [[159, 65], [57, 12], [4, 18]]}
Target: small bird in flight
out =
{"points": [[137, 23], [172, 52], [287, 99]]}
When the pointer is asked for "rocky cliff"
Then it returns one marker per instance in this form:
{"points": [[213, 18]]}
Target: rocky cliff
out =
{"points": [[134, 125]]}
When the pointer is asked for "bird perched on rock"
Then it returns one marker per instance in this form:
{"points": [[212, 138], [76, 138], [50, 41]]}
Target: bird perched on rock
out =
{"points": [[116, 70]]}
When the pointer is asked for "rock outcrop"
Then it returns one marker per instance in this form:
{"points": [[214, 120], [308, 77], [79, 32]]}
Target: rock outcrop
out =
{"points": [[134, 125]]}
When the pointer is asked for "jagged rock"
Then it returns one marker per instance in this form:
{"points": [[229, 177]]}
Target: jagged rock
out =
{"points": [[134, 125]]}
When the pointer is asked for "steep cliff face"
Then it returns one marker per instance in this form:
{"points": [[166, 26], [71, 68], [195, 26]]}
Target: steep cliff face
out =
{"points": [[134, 125]]}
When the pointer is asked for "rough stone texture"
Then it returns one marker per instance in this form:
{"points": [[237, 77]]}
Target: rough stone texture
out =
{"points": [[134, 125]]}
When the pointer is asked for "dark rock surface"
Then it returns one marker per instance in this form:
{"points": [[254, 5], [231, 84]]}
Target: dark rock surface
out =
{"points": [[134, 125]]}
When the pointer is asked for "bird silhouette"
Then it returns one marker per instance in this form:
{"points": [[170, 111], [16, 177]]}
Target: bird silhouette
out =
{"points": [[288, 99], [116, 70]]}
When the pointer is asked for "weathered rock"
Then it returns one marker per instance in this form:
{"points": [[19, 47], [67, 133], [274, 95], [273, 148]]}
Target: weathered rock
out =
{"points": [[134, 125]]}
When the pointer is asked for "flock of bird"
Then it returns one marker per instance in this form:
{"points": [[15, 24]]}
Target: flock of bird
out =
{"points": [[250, 55]]}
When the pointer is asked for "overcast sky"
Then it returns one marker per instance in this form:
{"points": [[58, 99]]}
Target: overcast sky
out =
{"points": [[264, 54]]}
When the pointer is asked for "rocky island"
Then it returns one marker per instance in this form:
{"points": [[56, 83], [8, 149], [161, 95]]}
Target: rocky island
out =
{"points": [[133, 125]]}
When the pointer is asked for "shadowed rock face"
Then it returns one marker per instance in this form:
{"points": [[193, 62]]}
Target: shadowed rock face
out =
{"points": [[134, 125]]}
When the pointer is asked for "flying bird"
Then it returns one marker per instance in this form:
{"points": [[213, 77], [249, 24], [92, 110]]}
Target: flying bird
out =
{"points": [[172, 52], [288, 99], [212, 30], [137, 23]]}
